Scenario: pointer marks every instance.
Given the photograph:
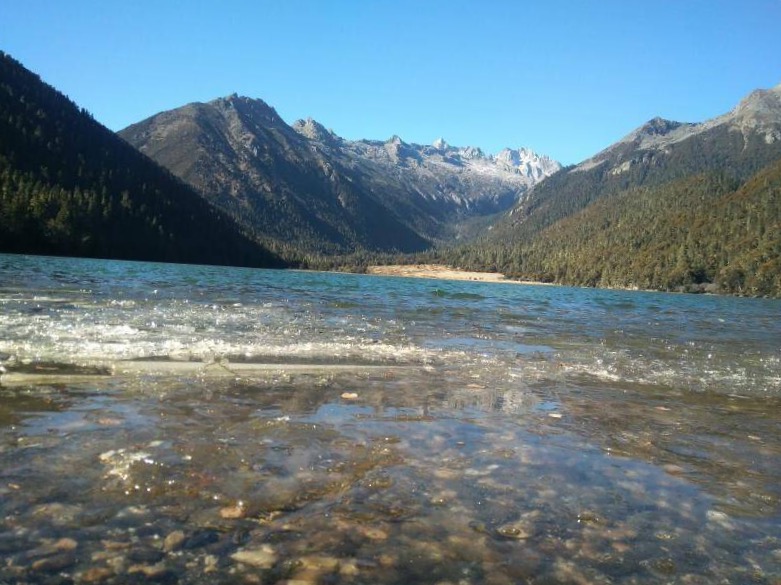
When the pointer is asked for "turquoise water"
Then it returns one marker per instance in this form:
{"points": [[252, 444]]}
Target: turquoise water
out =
{"points": [[208, 425]]}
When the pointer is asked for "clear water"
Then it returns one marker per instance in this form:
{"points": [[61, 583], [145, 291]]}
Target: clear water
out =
{"points": [[212, 425]]}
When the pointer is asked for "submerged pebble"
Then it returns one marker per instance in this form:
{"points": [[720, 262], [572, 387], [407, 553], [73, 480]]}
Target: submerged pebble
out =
{"points": [[514, 531], [173, 541], [262, 557], [157, 573], [95, 575], [55, 563], [234, 512], [145, 555]]}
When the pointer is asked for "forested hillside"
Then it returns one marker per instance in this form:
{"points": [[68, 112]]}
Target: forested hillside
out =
{"points": [[671, 206], [722, 150], [695, 234], [69, 186]]}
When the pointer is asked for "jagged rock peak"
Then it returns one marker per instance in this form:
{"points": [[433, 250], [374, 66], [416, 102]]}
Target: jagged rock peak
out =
{"points": [[516, 156], [440, 144], [246, 105], [761, 102], [395, 139], [656, 127], [656, 133], [472, 152], [314, 130], [528, 162]]}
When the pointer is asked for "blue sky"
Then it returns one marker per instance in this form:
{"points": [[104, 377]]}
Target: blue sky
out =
{"points": [[566, 78]]}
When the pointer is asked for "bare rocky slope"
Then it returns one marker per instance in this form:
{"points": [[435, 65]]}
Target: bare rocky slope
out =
{"points": [[303, 186]]}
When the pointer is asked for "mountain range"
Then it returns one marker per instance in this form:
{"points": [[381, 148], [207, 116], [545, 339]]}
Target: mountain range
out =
{"points": [[671, 206], [305, 185]]}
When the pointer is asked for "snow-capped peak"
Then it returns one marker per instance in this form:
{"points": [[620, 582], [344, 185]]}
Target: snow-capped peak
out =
{"points": [[527, 162]]}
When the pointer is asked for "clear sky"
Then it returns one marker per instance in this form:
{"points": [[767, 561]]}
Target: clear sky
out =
{"points": [[565, 78]]}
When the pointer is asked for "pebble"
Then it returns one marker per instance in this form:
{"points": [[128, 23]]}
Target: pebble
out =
{"points": [[173, 541], [373, 533], [54, 563], [319, 563], [66, 544], [145, 555], [158, 573], [115, 545], [589, 517], [349, 396], [201, 538], [262, 558], [233, 512], [58, 514], [349, 568], [95, 575], [210, 563], [311, 569], [513, 531], [665, 566], [49, 547]]}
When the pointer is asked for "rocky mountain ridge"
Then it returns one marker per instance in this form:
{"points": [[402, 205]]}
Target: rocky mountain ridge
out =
{"points": [[306, 184], [757, 115]]}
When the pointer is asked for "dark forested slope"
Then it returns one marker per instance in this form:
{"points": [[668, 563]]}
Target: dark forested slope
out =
{"points": [[69, 186], [671, 207], [735, 145], [697, 233]]}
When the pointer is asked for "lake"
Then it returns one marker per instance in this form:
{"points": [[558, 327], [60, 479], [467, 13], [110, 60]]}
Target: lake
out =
{"points": [[200, 424]]}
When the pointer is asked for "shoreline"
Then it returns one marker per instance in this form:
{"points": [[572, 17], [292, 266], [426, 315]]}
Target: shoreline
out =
{"points": [[438, 272]]}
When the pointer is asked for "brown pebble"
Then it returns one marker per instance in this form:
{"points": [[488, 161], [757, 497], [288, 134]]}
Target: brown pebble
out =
{"points": [[96, 575], [173, 541], [233, 512], [65, 544], [153, 572], [115, 545], [374, 533], [54, 563], [319, 563], [513, 531], [262, 558]]}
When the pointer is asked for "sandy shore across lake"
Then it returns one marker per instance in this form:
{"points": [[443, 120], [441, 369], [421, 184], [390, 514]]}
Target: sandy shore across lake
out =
{"points": [[441, 272]]}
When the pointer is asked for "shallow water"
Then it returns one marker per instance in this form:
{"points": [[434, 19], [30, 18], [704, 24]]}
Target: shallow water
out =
{"points": [[212, 425]]}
